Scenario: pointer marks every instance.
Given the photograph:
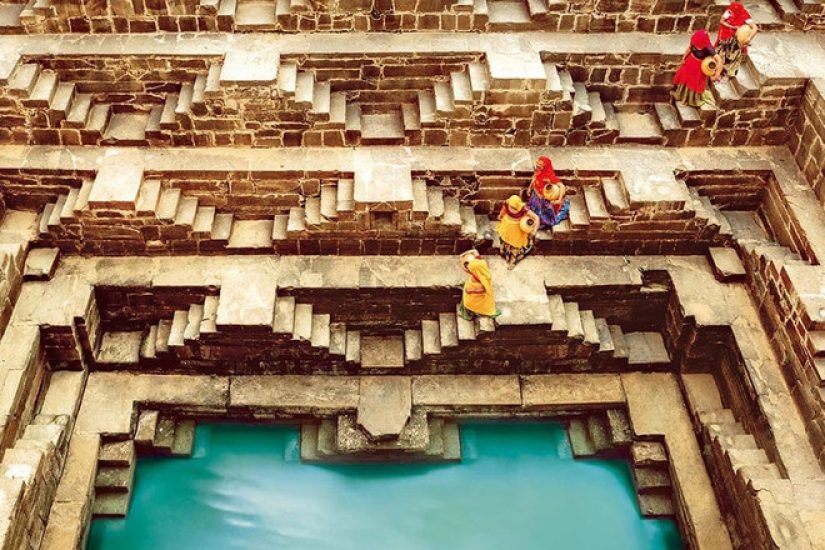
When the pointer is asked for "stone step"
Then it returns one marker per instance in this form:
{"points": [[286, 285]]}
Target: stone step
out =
{"points": [[78, 115], [382, 352], [280, 227], [537, 8], [304, 90], [178, 328], [184, 441], [462, 91], [727, 267], [147, 426], [575, 329], [747, 81], [98, 117], [251, 235], [466, 329], [204, 220], [558, 313], [650, 479], [420, 203], [111, 505], [567, 87], [411, 117], [485, 324], [258, 16], [581, 103], [430, 337], [427, 107], [321, 99], [63, 98], [580, 442], [553, 88], [164, 435], [720, 416], [213, 81], [302, 327], [638, 127], [193, 323], [338, 109], [702, 393], [287, 77], [114, 479], [126, 129], [337, 339], [186, 212], [345, 195], [329, 202], [507, 16], [353, 346], [24, 79], [168, 118], [452, 211], [312, 212], [168, 203], [655, 504], [199, 94], [45, 216], [615, 197], [153, 124], [599, 432], [595, 203], [320, 332], [618, 426], [746, 457], [413, 345], [688, 116], [646, 348], [435, 202], [210, 315], [448, 329], [578, 215], [147, 347], [184, 105], [468, 221], [117, 454], [667, 117], [598, 114], [444, 104], [68, 211], [606, 345], [222, 227], [284, 318], [297, 222], [484, 229], [479, 80], [591, 331], [382, 129], [162, 341], [57, 209]]}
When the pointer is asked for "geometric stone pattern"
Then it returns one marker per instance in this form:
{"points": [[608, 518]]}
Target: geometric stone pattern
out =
{"points": [[260, 223]]}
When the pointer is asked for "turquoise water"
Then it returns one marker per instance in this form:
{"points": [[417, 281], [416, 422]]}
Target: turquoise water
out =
{"points": [[517, 488]]}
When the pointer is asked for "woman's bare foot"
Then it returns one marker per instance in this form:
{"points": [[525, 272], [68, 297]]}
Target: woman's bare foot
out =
{"points": [[510, 267]]}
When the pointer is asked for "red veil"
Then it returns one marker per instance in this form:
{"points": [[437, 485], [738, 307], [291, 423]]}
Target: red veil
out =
{"points": [[738, 16], [543, 175]]}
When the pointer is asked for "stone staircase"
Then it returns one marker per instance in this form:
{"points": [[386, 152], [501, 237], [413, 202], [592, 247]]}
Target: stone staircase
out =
{"points": [[73, 117], [607, 434], [433, 340], [156, 434], [761, 494]]}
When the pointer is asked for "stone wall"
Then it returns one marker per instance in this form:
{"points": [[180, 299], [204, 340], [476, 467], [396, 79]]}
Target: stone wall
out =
{"points": [[807, 139]]}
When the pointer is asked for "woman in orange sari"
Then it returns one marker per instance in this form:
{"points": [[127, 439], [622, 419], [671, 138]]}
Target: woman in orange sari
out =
{"points": [[517, 228], [477, 297]]}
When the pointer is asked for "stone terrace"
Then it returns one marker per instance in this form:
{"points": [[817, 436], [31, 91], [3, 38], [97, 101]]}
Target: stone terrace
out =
{"points": [[249, 210]]}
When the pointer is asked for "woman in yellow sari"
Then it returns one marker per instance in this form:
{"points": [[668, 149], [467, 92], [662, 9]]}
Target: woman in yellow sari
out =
{"points": [[517, 227], [477, 298]]}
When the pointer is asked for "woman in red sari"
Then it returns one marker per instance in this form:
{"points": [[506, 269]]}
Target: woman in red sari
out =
{"points": [[690, 85], [731, 48]]}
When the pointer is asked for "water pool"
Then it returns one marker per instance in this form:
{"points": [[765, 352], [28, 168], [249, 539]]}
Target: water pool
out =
{"points": [[517, 487]]}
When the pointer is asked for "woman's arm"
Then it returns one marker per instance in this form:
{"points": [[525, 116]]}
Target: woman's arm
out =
{"points": [[481, 290], [537, 221], [755, 29]]}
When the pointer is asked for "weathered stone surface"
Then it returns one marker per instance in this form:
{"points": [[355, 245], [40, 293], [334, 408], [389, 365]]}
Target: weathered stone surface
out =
{"points": [[572, 391], [384, 404], [466, 390], [666, 416], [41, 263], [63, 395], [314, 393], [116, 187], [382, 352]]}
